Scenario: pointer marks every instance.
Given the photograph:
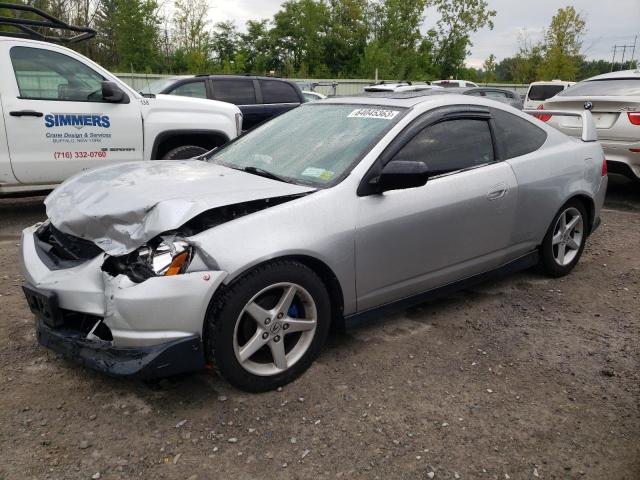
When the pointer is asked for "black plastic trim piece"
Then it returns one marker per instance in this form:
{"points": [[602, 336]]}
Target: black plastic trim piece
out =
{"points": [[157, 361], [522, 263]]}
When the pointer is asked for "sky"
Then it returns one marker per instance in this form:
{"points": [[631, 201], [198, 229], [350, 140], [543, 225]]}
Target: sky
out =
{"points": [[609, 22]]}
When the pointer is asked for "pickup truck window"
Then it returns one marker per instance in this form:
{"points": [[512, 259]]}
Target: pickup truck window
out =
{"points": [[46, 75]]}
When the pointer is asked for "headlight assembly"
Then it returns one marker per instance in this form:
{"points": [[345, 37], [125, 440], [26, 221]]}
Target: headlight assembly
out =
{"points": [[163, 257]]}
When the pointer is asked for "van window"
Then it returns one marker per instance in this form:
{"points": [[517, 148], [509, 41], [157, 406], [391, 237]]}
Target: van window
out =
{"points": [[540, 93], [275, 91], [191, 89], [236, 91]]}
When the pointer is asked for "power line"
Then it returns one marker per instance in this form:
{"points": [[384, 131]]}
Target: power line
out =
{"points": [[624, 52]]}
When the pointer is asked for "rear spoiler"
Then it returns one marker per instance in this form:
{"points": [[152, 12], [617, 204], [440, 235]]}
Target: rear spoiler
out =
{"points": [[589, 131]]}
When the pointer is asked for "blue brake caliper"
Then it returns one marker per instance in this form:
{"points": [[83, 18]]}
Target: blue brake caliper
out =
{"points": [[293, 311]]}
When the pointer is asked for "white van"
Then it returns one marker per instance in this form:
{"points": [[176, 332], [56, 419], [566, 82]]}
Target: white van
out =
{"points": [[540, 91]]}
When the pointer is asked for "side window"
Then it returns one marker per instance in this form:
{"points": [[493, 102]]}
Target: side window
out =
{"points": [[47, 75], [496, 94], [238, 92], [274, 91], [191, 89], [516, 136], [451, 145]]}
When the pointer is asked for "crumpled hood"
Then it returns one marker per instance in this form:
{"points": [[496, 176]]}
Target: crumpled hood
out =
{"points": [[121, 207]]}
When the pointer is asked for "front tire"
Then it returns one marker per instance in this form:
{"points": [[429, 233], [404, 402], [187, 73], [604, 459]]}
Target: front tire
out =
{"points": [[565, 240], [269, 326]]}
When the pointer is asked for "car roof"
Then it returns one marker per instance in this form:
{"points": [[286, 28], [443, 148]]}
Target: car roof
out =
{"points": [[392, 99], [243, 77], [613, 75], [551, 82]]}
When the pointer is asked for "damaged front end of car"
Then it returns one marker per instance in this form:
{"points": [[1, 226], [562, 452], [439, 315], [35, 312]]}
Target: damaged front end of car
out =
{"points": [[137, 314]]}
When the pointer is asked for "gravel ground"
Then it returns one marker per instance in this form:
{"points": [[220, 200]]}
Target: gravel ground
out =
{"points": [[522, 378]]}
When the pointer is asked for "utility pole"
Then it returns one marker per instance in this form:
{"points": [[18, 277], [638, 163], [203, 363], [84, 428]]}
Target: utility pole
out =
{"points": [[624, 52], [613, 60]]}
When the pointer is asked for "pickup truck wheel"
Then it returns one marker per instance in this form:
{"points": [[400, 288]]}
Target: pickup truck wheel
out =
{"points": [[185, 152]]}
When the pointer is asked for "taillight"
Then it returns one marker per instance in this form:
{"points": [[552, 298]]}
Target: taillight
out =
{"points": [[604, 167], [634, 117], [544, 118]]}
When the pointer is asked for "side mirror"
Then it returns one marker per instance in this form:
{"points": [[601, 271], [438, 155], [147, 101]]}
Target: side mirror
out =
{"points": [[112, 93], [401, 174]]}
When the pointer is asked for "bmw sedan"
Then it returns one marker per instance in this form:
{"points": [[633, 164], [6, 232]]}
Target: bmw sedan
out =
{"points": [[335, 211]]}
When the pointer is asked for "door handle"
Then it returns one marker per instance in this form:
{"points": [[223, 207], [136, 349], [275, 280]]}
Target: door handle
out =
{"points": [[26, 113], [497, 192]]}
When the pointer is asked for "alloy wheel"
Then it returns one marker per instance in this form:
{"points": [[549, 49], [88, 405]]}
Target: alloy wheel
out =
{"points": [[568, 234], [275, 329]]}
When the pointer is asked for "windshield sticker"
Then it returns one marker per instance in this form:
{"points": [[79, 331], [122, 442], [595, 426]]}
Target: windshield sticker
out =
{"points": [[381, 114], [320, 173]]}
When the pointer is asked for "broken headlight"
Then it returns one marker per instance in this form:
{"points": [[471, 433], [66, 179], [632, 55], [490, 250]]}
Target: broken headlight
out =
{"points": [[164, 257]]}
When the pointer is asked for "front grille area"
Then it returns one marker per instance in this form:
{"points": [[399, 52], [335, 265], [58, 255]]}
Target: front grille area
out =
{"points": [[60, 250], [83, 323]]}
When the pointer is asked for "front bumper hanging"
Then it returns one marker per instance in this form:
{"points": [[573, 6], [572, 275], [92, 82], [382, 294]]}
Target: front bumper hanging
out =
{"points": [[163, 360]]}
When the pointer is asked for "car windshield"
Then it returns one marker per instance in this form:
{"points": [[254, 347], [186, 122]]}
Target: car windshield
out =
{"points": [[623, 87], [543, 92], [312, 144]]}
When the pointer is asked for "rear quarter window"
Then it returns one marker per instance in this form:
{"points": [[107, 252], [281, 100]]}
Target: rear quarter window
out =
{"points": [[516, 136]]}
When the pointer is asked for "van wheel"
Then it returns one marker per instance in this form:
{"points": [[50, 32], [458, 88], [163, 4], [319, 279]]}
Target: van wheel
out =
{"points": [[565, 240], [269, 326], [184, 153]]}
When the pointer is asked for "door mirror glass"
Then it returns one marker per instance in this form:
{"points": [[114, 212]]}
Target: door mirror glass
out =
{"points": [[112, 93], [401, 174]]}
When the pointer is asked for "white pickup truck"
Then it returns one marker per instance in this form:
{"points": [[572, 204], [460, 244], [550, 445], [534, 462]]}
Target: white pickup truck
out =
{"points": [[60, 113]]}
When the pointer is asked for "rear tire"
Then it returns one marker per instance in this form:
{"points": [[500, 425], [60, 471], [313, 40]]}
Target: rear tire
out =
{"points": [[283, 309], [184, 153], [565, 240]]}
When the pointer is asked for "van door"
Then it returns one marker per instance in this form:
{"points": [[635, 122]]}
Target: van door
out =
{"points": [[56, 120], [242, 93]]}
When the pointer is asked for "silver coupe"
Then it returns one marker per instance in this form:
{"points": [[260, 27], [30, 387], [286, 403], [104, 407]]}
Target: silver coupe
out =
{"points": [[338, 210]]}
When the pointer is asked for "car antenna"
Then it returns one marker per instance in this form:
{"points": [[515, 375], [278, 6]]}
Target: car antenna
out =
{"points": [[46, 21]]}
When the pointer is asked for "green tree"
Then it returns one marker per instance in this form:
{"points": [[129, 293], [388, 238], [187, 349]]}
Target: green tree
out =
{"points": [[489, 68], [562, 45], [256, 47], [395, 32], [191, 35], [299, 29], [224, 45], [458, 19], [128, 34]]}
